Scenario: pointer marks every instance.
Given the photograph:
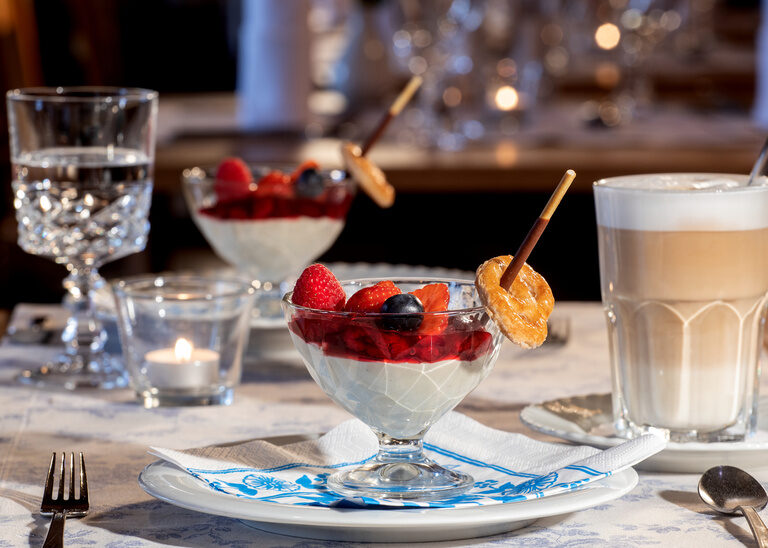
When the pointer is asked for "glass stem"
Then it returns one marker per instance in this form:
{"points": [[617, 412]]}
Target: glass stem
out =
{"points": [[84, 336], [402, 451]]}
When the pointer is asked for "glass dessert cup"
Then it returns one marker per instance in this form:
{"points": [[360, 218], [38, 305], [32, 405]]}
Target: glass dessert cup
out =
{"points": [[269, 238], [83, 162], [398, 383]]}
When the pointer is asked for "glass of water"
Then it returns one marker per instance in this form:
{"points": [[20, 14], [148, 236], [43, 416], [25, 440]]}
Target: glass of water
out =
{"points": [[82, 161]]}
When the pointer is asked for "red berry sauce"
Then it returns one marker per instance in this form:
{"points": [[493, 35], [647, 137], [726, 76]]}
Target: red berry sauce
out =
{"points": [[359, 338], [271, 207]]}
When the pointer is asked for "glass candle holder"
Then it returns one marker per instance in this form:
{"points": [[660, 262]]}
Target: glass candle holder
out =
{"points": [[183, 337]]}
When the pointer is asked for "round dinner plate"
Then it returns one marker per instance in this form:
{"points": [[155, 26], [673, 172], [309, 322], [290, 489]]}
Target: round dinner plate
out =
{"points": [[588, 420], [173, 485]]}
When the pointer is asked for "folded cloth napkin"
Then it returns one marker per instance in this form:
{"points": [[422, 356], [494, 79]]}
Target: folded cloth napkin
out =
{"points": [[506, 467]]}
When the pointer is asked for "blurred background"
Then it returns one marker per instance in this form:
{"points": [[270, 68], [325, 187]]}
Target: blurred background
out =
{"points": [[515, 92]]}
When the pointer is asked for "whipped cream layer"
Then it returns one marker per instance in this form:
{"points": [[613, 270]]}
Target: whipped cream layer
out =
{"points": [[398, 399], [270, 249]]}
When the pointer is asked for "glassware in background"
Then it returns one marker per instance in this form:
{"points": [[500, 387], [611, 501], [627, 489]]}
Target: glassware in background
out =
{"points": [[82, 161], [620, 44], [183, 337]]}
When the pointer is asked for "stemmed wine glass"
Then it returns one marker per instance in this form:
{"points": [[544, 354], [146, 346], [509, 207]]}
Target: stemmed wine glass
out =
{"points": [[82, 161]]}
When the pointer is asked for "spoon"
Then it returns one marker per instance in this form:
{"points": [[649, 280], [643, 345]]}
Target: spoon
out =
{"points": [[730, 490], [759, 166]]}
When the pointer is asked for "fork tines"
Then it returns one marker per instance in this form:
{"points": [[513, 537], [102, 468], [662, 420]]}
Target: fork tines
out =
{"points": [[71, 502]]}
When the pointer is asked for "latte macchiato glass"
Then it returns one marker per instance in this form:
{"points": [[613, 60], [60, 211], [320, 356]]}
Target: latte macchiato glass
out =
{"points": [[684, 279]]}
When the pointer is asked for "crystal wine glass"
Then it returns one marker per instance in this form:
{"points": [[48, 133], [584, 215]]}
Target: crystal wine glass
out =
{"points": [[82, 161], [399, 383]]}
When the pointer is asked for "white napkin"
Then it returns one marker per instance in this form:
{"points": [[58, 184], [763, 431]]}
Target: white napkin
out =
{"points": [[506, 467]]}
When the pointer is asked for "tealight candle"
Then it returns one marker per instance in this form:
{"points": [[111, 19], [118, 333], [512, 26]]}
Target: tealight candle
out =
{"points": [[182, 366]]}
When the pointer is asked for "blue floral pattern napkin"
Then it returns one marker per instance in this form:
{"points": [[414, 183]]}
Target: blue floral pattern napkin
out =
{"points": [[506, 467]]}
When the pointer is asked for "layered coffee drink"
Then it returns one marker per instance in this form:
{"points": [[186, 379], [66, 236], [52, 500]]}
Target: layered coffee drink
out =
{"points": [[684, 278]]}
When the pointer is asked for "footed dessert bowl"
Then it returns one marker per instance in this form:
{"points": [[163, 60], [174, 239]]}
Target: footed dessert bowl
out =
{"points": [[266, 222], [399, 371]]}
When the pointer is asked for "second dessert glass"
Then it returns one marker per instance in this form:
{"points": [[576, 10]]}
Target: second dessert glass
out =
{"points": [[398, 383], [269, 236]]}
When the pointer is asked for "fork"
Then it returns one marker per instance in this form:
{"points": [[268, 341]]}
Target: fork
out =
{"points": [[60, 507]]}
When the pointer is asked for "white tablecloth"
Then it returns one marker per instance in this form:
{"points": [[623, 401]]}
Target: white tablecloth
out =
{"points": [[279, 398]]}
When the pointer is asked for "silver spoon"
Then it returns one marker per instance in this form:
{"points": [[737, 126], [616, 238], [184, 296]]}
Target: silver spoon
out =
{"points": [[760, 163], [730, 490]]}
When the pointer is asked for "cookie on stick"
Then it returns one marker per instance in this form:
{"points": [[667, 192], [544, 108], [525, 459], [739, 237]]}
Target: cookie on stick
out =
{"points": [[367, 174], [517, 297]]}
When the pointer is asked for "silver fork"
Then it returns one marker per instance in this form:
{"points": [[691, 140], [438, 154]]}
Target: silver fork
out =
{"points": [[60, 507]]}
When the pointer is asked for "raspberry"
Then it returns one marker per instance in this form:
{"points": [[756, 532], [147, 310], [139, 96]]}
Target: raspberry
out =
{"points": [[233, 179], [318, 288], [435, 298], [370, 299]]}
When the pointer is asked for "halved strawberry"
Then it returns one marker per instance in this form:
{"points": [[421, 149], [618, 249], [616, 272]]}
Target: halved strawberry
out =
{"points": [[434, 298], [370, 299], [233, 179]]}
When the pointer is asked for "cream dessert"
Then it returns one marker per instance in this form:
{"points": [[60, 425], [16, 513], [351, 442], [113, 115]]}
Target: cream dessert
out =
{"points": [[400, 398], [684, 274], [266, 222], [269, 249], [397, 361]]}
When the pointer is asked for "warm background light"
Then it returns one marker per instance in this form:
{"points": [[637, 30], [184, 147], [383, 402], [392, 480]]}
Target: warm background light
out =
{"points": [[607, 36], [507, 98]]}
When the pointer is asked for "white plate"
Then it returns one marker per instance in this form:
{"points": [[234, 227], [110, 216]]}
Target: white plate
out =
{"points": [[170, 484], [587, 420]]}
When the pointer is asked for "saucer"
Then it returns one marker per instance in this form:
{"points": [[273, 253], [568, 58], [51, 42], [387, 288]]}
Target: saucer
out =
{"points": [[171, 484], [588, 420]]}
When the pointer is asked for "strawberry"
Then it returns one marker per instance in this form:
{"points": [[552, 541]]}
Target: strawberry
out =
{"points": [[233, 179], [274, 183], [370, 299], [318, 288], [434, 298]]}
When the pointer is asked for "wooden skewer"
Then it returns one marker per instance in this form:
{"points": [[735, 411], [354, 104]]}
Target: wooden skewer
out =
{"points": [[394, 110], [536, 230]]}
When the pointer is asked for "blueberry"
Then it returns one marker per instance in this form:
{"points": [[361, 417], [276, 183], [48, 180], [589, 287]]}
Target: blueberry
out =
{"points": [[310, 183], [405, 310]]}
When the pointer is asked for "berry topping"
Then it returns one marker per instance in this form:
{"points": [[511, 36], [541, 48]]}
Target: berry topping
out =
{"points": [[274, 183], [318, 288], [435, 298], [310, 183], [233, 179], [370, 299], [406, 312]]}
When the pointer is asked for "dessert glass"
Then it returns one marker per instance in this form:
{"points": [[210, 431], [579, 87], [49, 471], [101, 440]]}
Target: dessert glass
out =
{"points": [[398, 383], [269, 238]]}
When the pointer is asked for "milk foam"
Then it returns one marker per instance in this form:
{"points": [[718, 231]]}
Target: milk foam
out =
{"points": [[682, 201]]}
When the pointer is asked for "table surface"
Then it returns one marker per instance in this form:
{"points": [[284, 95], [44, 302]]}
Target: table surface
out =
{"points": [[279, 398]]}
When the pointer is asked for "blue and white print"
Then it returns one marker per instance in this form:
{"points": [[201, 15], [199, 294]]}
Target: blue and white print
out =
{"points": [[506, 467]]}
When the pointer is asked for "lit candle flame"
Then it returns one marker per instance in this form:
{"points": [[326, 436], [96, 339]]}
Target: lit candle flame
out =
{"points": [[183, 350]]}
